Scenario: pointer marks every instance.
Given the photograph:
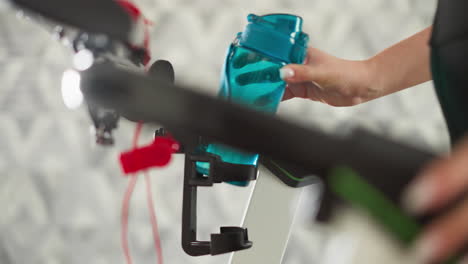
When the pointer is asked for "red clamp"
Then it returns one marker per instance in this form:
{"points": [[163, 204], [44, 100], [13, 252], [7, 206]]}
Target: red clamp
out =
{"points": [[157, 154]]}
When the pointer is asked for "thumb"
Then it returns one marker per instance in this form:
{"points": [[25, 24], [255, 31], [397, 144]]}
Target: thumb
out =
{"points": [[296, 73]]}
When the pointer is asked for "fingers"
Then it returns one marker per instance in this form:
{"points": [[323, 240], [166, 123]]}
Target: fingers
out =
{"points": [[287, 95], [445, 237], [295, 73], [302, 90], [298, 90], [440, 183]]}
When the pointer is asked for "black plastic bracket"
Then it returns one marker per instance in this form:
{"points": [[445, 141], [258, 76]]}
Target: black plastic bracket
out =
{"points": [[230, 238], [219, 171]]}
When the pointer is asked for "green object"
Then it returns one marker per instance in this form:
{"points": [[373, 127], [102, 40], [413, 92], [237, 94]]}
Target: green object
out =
{"points": [[348, 185]]}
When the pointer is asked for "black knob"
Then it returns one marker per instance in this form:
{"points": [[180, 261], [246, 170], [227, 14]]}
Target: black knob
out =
{"points": [[162, 70]]}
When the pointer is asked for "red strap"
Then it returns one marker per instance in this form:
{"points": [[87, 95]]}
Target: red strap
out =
{"points": [[157, 154], [136, 14]]}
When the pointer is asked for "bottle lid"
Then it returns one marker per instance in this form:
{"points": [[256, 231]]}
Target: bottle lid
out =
{"points": [[276, 35]]}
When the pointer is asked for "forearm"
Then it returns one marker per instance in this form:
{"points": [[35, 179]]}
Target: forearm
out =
{"points": [[402, 65]]}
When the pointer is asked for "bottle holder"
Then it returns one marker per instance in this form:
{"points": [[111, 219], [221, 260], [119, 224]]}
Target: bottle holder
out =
{"points": [[230, 238]]}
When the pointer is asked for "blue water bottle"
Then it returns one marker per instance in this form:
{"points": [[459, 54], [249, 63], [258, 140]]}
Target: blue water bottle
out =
{"points": [[251, 73]]}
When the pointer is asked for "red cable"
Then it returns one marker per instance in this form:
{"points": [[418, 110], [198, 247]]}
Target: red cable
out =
{"points": [[126, 201], [137, 134], [154, 222], [125, 209], [136, 14], [126, 206]]}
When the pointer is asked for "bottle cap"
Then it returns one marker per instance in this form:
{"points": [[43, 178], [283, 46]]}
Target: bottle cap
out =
{"points": [[276, 35]]}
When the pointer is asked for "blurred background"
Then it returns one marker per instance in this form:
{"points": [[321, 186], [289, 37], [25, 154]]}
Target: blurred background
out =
{"points": [[61, 196]]}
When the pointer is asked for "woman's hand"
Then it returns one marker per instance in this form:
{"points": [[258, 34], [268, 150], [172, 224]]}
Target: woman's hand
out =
{"points": [[330, 80], [339, 82], [442, 182]]}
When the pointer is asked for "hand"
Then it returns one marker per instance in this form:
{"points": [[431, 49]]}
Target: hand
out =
{"points": [[331, 80], [442, 182]]}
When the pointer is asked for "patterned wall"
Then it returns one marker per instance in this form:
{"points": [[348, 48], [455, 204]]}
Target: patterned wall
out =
{"points": [[60, 195]]}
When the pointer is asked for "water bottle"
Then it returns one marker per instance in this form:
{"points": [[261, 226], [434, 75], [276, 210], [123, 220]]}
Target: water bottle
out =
{"points": [[251, 73]]}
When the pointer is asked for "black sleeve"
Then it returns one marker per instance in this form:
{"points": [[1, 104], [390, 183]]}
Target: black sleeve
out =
{"points": [[449, 64], [451, 22]]}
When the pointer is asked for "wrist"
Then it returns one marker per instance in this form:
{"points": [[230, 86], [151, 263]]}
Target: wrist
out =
{"points": [[374, 82]]}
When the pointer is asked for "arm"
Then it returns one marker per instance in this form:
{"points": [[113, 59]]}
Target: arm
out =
{"points": [[340, 82], [403, 65]]}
